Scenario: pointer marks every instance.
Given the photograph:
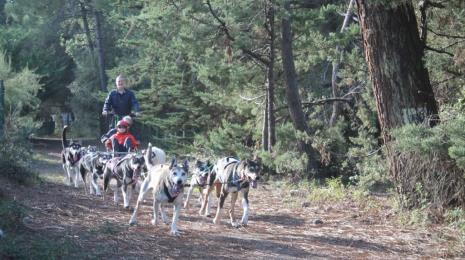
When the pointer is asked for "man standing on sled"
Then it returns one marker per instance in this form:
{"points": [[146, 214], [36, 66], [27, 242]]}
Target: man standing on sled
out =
{"points": [[122, 101]]}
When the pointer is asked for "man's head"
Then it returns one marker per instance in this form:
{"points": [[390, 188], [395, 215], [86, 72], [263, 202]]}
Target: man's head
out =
{"points": [[122, 126], [120, 83]]}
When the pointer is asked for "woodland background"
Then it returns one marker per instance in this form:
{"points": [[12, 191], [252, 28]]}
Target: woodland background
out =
{"points": [[284, 80]]}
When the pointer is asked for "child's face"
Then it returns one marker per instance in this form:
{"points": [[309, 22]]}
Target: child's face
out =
{"points": [[122, 129]]}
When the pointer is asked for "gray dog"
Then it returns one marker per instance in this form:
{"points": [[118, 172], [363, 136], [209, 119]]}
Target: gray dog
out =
{"points": [[93, 164], [126, 171], [232, 176]]}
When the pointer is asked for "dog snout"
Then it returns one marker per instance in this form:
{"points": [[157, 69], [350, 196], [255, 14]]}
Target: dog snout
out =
{"points": [[179, 182]]}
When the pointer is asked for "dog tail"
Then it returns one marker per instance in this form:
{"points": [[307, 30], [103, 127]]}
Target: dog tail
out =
{"points": [[148, 156], [63, 137]]}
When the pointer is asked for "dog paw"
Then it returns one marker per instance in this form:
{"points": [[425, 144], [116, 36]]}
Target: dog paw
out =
{"points": [[154, 222], [132, 222], [216, 221], [175, 233], [244, 223]]}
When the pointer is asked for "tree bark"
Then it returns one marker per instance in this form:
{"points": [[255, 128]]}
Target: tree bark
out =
{"points": [[401, 85], [393, 52], [85, 23], [265, 131], [336, 64], [101, 51], [292, 91], [271, 119]]}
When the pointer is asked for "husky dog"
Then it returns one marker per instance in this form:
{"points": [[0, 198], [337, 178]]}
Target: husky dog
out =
{"points": [[199, 179], [167, 182], [92, 164], [233, 176], [126, 171], [70, 156]]}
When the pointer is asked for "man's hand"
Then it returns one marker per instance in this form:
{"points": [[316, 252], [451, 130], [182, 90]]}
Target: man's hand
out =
{"points": [[104, 113]]}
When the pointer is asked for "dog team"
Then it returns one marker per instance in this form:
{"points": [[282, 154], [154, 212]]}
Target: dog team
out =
{"points": [[166, 180]]}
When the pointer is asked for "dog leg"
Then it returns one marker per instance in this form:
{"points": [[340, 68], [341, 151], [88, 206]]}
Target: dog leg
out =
{"points": [[186, 203], [174, 228], [116, 196], [163, 214], [231, 211], [217, 219], [208, 210], [143, 189], [83, 173], [76, 176], [245, 207], [124, 189], [156, 208], [205, 200], [67, 175], [94, 184]]}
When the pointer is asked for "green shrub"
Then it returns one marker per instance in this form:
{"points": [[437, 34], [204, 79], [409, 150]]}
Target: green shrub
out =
{"points": [[15, 160]]}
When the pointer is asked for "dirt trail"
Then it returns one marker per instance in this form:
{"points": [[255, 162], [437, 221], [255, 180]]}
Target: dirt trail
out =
{"points": [[279, 227]]}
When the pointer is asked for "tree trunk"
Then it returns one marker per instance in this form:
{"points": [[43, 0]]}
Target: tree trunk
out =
{"points": [[85, 22], [271, 119], [403, 95], [2, 109], [265, 131], [393, 52], [292, 91], [101, 51], [336, 65]]}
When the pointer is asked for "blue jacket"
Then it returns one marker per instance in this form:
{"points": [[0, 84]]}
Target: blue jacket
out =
{"points": [[121, 103]]}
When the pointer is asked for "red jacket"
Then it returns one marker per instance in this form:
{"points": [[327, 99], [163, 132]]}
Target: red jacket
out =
{"points": [[120, 137]]}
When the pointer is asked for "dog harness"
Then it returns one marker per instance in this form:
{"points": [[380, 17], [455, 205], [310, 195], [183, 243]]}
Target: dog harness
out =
{"points": [[167, 192], [73, 160]]}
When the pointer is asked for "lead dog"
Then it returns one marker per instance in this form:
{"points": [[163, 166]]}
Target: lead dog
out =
{"points": [[93, 164], [126, 171], [167, 182], [233, 176], [70, 156], [199, 179]]}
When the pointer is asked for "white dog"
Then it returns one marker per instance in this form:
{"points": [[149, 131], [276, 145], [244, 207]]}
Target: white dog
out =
{"points": [[167, 182]]}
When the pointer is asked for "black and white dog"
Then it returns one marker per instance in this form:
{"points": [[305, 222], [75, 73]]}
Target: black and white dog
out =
{"points": [[92, 165], [232, 176], [199, 178], [167, 182], [126, 171], [70, 157]]}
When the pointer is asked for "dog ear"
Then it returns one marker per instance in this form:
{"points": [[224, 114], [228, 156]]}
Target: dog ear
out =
{"points": [[185, 165], [173, 162]]}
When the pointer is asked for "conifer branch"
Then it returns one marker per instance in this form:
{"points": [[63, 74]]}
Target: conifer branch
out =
{"points": [[438, 50], [228, 35]]}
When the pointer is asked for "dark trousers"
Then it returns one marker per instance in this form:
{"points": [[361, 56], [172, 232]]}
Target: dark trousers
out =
{"points": [[121, 148]]}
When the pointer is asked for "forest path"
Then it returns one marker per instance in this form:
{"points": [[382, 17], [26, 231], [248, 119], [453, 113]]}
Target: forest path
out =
{"points": [[279, 226]]}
